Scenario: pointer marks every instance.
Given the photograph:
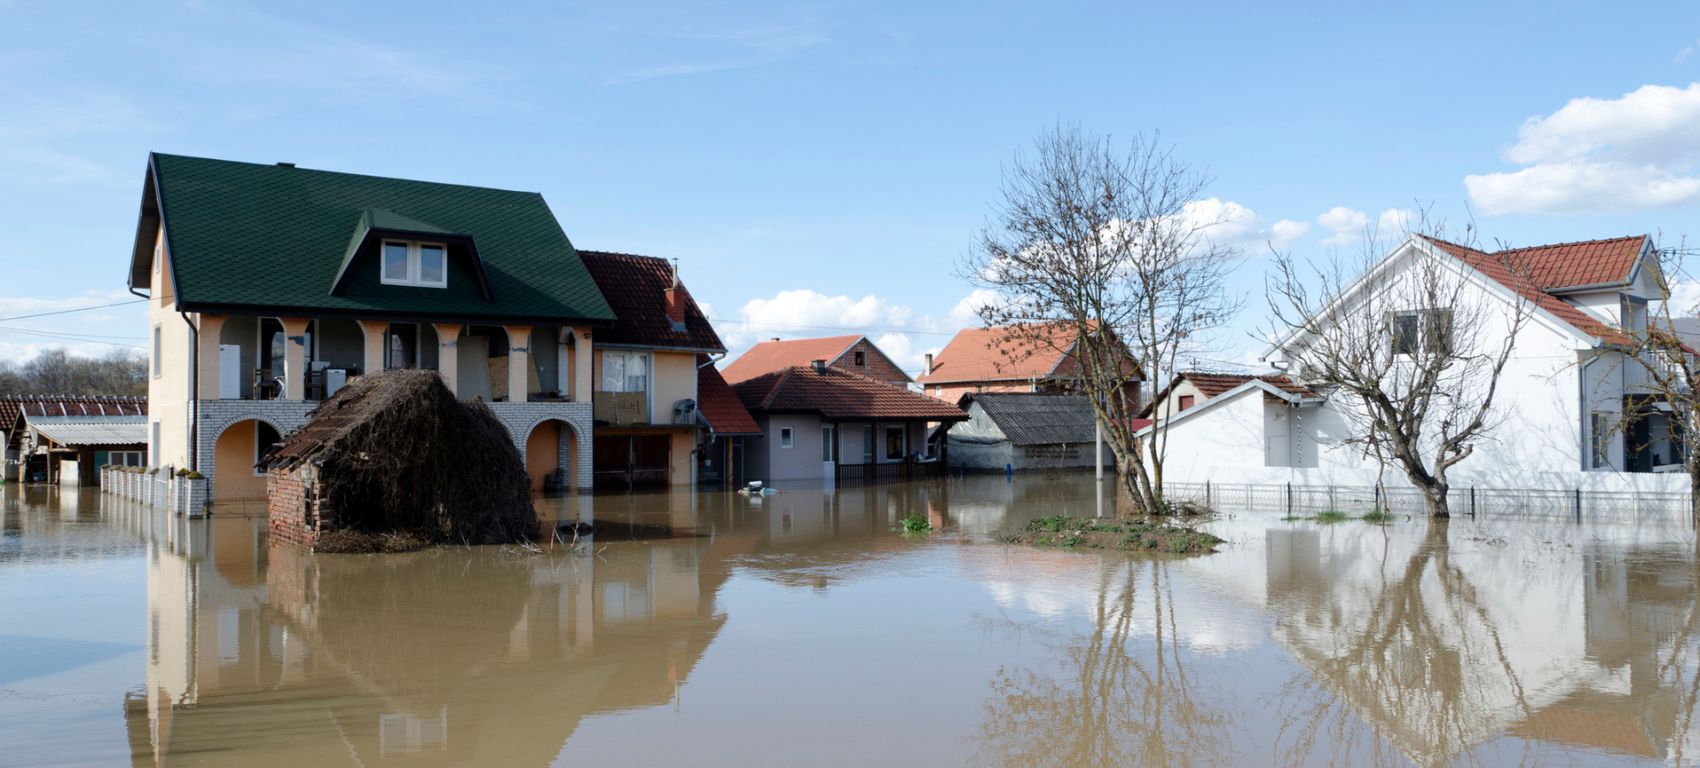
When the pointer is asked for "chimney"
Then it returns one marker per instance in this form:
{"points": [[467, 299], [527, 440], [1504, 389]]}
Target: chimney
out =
{"points": [[929, 363], [285, 165], [675, 296], [776, 338], [818, 365]]}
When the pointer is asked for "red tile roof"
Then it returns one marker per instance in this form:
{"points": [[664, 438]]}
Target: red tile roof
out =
{"points": [[1213, 384], [11, 406], [1574, 265], [837, 395], [719, 405], [770, 356], [636, 289], [996, 354], [1496, 267]]}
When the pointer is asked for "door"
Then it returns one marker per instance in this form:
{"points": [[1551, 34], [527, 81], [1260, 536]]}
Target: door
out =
{"points": [[829, 451], [632, 461]]}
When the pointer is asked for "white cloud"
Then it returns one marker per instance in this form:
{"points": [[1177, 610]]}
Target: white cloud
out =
{"points": [[1226, 222], [966, 313], [806, 310], [1682, 54], [1346, 224], [1349, 226], [903, 350], [1592, 155]]}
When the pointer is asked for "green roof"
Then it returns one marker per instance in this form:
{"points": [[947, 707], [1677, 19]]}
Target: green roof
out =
{"points": [[271, 237]]}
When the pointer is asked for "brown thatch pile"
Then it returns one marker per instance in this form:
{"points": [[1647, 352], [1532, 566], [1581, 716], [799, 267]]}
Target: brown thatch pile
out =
{"points": [[396, 453]]}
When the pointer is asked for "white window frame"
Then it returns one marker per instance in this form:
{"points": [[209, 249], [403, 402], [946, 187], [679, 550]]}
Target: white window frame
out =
{"points": [[414, 277], [624, 355], [885, 440], [158, 365], [787, 437]]}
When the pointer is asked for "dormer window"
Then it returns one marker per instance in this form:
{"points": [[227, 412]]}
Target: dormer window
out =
{"points": [[415, 263]]}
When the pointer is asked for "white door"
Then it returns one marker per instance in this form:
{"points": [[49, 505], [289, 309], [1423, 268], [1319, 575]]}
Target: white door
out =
{"points": [[828, 452]]}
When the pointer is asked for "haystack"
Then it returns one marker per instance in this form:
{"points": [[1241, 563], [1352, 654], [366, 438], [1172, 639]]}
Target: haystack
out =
{"points": [[396, 455]]}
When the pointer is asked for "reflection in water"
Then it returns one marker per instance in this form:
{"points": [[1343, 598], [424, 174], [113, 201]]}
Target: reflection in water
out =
{"points": [[754, 630], [1456, 645], [1121, 697]]}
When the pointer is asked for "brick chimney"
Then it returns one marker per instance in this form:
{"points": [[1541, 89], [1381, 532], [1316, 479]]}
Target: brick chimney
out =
{"points": [[676, 300]]}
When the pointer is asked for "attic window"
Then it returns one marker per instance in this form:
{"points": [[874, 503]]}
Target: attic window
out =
{"points": [[415, 263]]}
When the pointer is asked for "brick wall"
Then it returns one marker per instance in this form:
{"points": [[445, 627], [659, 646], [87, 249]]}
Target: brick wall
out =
{"points": [[875, 365], [293, 511]]}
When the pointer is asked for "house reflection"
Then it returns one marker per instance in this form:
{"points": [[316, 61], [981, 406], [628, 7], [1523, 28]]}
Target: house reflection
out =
{"points": [[448, 656], [464, 656], [1431, 650]]}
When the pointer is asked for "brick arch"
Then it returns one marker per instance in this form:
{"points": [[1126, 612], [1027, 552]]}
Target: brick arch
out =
{"points": [[569, 448]]}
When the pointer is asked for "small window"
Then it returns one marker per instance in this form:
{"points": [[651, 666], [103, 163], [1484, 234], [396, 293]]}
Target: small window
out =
{"points": [[868, 444], [785, 437], [1186, 401], [861, 358], [1437, 331], [1600, 433], [1404, 327], [158, 367], [828, 443], [418, 264], [625, 371]]}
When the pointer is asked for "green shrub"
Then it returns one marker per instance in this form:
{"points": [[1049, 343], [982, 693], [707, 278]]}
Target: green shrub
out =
{"points": [[1377, 516], [1332, 516], [916, 523]]}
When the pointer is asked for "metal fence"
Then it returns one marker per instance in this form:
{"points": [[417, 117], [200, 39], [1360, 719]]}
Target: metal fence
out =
{"points": [[1576, 504]]}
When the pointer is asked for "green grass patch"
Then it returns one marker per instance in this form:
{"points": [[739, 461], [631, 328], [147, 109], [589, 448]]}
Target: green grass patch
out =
{"points": [[1332, 516], [1377, 516], [915, 523], [1130, 534]]}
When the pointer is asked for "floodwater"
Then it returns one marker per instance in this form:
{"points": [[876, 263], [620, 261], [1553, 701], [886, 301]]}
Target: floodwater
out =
{"points": [[801, 629]]}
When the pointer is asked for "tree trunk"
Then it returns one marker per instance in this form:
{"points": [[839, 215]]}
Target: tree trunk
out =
{"points": [[1434, 498]]}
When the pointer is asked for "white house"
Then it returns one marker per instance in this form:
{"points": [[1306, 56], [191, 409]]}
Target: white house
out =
{"points": [[1567, 407]]}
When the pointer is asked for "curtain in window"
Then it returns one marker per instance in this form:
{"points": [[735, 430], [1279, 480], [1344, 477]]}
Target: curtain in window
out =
{"points": [[625, 372]]}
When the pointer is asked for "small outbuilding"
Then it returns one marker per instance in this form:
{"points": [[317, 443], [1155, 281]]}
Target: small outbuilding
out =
{"points": [[397, 453], [1023, 430]]}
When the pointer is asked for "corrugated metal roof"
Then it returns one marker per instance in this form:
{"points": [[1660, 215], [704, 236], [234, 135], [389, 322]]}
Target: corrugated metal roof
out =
{"points": [[90, 430], [1039, 419]]}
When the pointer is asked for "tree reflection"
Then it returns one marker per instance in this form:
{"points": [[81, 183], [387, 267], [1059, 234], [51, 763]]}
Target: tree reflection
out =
{"points": [[1431, 660], [1121, 698]]}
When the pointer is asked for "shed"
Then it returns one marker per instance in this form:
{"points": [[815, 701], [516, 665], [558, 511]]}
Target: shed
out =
{"points": [[1022, 430], [396, 452]]}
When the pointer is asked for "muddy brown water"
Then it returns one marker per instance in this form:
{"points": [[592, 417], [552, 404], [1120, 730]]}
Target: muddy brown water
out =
{"points": [[801, 629]]}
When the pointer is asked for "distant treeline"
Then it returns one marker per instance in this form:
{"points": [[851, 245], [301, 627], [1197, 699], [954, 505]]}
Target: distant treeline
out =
{"points": [[57, 372]]}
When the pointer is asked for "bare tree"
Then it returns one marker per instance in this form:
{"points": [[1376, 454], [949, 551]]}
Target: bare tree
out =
{"points": [[58, 372], [1668, 370], [1413, 343], [1096, 253]]}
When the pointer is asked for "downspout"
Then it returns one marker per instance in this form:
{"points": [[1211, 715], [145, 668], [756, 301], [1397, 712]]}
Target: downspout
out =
{"points": [[194, 391]]}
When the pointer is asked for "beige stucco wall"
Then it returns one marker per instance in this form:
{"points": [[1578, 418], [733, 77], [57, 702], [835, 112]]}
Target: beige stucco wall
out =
{"points": [[542, 452], [234, 456], [675, 380], [1172, 402], [168, 393]]}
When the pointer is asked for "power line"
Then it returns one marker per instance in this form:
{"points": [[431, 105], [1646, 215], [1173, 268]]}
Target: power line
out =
{"points": [[69, 311], [71, 337], [863, 329]]}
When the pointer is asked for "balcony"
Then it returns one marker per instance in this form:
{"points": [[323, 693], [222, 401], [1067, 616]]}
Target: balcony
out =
{"points": [[285, 358]]}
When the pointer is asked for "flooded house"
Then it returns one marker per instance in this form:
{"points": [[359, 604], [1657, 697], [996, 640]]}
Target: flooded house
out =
{"points": [[1026, 431], [822, 423], [67, 439], [855, 354], [1039, 358], [271, 286], [1575, 409], [662, 412]]}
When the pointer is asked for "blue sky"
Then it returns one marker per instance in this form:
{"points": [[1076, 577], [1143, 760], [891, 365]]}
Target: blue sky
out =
{"points": [[818, 167]]}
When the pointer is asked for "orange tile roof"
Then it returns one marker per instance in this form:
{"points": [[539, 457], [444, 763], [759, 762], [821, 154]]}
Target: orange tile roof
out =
{"points": [[838, 395], [719, 405], [990, 354], [1574, 265], [1213, 384], [770, 356], [1493, 265]]}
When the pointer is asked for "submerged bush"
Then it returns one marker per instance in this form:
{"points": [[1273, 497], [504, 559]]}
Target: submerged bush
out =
{"points": [[915, 523]]}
